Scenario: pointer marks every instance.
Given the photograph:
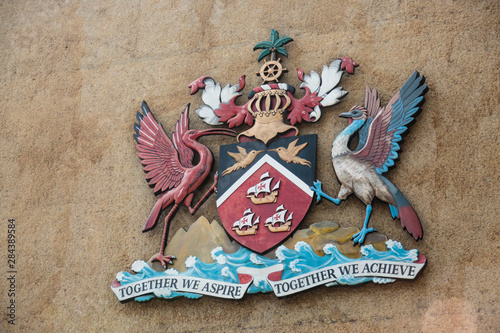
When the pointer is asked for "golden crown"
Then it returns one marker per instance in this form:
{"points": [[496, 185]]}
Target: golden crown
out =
{"points": [[269, 105]]}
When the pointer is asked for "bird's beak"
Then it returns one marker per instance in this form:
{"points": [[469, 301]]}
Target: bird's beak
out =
{"points": [[216, 131], [347, 115], [276, 150]]}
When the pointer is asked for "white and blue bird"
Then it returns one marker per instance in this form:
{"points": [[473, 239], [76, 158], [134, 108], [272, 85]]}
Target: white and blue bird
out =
{"points": [[361, 171]]}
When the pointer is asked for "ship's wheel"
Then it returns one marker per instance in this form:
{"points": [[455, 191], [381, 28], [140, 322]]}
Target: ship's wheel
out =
{"points": [[271, 71]]}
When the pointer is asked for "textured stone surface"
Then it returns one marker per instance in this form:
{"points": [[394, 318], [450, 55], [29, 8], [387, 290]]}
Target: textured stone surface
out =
{"points": [[74, 74]]}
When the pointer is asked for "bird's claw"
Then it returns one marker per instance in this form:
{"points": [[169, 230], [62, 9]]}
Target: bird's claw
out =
{"points": [[360, 236], [317, 189], [216, 181], [164, 260]]}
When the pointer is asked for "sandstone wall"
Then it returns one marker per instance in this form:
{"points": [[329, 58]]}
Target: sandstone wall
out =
{"points": [[73, 74]]}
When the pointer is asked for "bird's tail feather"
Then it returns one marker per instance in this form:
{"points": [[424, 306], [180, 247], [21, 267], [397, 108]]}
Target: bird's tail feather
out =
{"points": [[404, 211], [394, 211], [153, 216]]}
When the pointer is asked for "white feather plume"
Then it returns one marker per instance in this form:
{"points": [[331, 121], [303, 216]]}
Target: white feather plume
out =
{"points": [[211, 93], [330, 77], [316, 114], [312, 82], [333, 97], [208, 115], [325, 86], [228, 92], [213, 96]]}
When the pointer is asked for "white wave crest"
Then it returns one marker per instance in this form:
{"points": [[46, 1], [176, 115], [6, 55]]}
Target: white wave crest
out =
{"points": [[393, 244], [254, 259], [138, 265], [397, 246], [164, 292], [221, 259], [293, 267], [382, 280], [328, 248], [172, 271], [364, 249], [190, 261], [259, 281], [225, 271], [214, 251], [299, 245], [413, 254], [279, 253], [120, 276]]}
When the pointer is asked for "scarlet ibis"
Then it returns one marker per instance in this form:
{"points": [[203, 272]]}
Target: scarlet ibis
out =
{"points": [[169, 166], [360, 171]]}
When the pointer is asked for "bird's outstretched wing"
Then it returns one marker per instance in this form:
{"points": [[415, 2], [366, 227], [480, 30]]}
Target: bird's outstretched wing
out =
{"points": [[372, 105], [186, 154], [158, 153], [238, 156], [294, 150], [379, 136]]}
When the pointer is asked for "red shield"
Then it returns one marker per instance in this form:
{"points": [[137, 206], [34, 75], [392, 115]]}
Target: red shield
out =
{"points": [[262, 204]]}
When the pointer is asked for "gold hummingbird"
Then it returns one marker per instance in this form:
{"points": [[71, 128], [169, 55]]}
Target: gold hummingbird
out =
{"points": [[289, 154], [243, 159]]}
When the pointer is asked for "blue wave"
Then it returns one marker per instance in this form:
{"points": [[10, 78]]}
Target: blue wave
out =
{"points": [[298, 261]]}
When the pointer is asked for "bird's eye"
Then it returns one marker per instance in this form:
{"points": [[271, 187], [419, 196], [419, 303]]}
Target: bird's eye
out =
{"points": [[192, 132]]}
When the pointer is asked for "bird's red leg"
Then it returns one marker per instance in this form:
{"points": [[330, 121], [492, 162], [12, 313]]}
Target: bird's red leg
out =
{"points": [[164, 260], [205, 197]]}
